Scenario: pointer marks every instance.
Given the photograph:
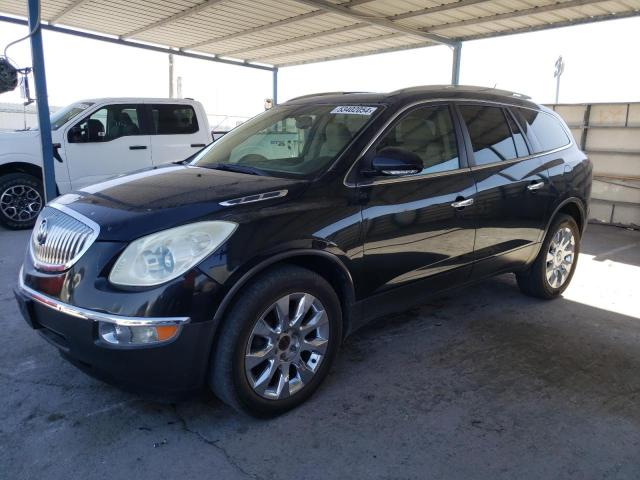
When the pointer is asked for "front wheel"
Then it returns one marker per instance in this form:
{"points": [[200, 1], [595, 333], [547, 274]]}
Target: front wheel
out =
{"points": [[556, 262], [21, 199], [277, 343]]}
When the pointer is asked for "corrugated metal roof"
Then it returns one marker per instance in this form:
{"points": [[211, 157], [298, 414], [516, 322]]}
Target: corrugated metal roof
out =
{"points": [[292, 32]]}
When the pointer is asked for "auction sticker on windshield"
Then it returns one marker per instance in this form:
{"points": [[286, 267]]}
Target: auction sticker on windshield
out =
{"points": [[354, 110]]}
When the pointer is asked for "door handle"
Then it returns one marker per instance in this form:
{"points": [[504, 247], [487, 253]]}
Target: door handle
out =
{"points": [[462, 203], [138, 147], [198, 145], [535, 186]]}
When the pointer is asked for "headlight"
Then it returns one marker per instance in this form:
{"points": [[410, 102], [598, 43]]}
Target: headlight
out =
{"points": [[165, 255]]}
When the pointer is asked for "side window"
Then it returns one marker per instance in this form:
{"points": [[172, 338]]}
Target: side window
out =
{"points": [[490, 134], [546, 130], [518, 137], [427, 132], [171, 119], [106, 124]]}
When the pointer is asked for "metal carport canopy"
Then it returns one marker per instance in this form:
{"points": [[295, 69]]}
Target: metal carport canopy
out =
{"points": [[281, 33], [268, 34]]}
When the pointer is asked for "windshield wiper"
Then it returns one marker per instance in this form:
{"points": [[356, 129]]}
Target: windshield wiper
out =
{"points": [[232, 167]]}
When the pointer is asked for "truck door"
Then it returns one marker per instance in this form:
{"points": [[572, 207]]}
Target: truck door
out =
{"points": [[106, 143], [175, 132]]}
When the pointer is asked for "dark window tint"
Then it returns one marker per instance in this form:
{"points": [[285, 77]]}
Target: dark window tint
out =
{"points": [[544, 130], [107, 123], [518, 137], [174, 119], [490, 135], [427, 132]]}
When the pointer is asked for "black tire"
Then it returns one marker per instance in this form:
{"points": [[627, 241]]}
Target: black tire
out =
{"points": [[30, 184], [534, 281], [227, 376]]}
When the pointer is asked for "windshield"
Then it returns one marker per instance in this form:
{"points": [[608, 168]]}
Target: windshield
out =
{"points": [[296, 140], [62, 116]]}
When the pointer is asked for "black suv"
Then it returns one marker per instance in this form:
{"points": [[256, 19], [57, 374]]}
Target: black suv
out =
{"points": [[246, 266]]}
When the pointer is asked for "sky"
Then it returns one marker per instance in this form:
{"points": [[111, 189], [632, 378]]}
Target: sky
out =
{"points": [[602, 65]]}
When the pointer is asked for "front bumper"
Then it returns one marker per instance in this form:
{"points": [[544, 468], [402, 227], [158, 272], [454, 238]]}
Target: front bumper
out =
{"points": [[177, 366]]}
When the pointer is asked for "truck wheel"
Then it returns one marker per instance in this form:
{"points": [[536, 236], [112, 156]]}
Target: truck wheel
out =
{"points": [[277, 342], [556, 262], [21, 199]]}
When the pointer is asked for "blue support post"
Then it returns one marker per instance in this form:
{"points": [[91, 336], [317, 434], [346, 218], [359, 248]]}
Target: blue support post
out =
{"points": [[275, 86], [455, 71], [37, 57]]}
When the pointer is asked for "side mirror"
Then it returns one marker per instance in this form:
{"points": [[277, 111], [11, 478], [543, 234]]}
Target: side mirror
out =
{"points": [[75, 134], [396, 161]]}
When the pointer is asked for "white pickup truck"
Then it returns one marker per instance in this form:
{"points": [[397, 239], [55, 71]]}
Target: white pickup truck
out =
{"points": [[94, 140]]}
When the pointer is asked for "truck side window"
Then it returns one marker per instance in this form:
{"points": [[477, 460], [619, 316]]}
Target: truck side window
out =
{"points": [[106, 124], [171, 119]]}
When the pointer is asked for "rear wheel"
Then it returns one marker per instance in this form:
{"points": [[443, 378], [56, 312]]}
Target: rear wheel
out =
{"points": [[277, 343], [556, 262], [21, 199]]}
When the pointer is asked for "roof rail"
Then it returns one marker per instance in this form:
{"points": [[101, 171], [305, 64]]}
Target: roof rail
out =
{"points": [[468, 88], [323, 94]]}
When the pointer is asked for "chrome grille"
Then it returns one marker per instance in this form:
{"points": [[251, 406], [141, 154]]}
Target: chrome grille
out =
{"points": [[60, 237]]}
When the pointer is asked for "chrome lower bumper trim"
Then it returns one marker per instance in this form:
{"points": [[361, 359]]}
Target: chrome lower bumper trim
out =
{"points": [[86, 314]]}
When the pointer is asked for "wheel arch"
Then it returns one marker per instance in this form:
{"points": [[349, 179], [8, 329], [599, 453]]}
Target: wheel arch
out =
{"points": [[21, 167], [574, 207], [324, 263]]}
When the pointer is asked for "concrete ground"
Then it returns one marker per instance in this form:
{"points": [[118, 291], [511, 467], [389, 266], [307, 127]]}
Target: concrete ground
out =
{"points": [[479, 383]]}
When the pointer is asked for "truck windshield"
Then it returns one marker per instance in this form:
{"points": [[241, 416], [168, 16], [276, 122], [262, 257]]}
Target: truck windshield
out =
{"points": [[62, 116], [295, 140]]}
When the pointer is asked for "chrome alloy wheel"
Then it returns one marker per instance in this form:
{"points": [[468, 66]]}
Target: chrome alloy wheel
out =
{"points": [[287, 346], [560, 257], [21, 203]]}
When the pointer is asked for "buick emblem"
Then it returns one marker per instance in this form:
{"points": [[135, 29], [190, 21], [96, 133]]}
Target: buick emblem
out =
{"points": [[43, 229]]}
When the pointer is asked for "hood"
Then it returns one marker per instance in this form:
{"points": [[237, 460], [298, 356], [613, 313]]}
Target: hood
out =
{"points": [[19, 141], [135, 205]]}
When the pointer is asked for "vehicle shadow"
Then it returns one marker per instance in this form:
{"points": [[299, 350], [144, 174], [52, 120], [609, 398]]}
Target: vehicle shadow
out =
{"points": [[515, 378]]}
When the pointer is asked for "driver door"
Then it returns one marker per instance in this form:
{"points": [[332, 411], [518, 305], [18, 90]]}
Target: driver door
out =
{"points": [[415, 234], [108, 142]]}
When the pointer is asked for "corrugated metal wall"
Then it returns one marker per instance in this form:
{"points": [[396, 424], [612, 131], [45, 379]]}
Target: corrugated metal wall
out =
{"points": [[610, 134]]}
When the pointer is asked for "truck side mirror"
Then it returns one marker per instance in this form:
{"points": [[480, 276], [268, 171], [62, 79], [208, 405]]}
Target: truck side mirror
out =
{"points": [[75, 134]]}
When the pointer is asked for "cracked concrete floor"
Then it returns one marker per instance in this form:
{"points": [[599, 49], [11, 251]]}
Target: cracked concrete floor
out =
{"points": [[478, 383]]}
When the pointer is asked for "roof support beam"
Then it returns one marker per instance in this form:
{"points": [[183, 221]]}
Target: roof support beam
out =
{"points": [[37, 57], [144, 46], [378, 21], [173, 18], [416, 13], [73, 6], [455, 70], [515, 14], [355, 26], [268, 26]]}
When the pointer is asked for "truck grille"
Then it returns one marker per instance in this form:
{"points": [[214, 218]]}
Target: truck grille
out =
{"points": [[59, 239]]}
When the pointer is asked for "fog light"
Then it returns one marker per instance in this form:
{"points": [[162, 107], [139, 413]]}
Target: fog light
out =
{"points": [[136, 335]]}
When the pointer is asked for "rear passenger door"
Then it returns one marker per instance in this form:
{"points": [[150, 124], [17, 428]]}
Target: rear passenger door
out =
{"points": [[513, 185], [175, 132]]}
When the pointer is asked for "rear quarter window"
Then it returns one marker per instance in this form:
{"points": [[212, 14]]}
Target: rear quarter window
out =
{"points": [[543, 129]]}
